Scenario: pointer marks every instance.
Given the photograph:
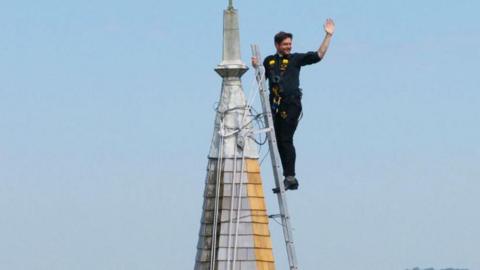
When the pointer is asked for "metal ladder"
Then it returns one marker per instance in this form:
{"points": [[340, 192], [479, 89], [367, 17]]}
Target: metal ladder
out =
{"points": [[276, 162]]}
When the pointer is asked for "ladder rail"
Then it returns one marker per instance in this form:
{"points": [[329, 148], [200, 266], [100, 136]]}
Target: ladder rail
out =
{"points": [[276, 162]]}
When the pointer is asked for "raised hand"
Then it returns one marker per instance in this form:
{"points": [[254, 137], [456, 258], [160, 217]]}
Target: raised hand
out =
{"points": [[329, 26]]}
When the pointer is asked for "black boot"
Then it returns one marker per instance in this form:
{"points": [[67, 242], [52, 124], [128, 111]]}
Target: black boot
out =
{"points": [[290, 182]]}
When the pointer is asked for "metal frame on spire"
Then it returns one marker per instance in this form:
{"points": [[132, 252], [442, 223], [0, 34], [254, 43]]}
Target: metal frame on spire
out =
{"points": [[230, 4]]}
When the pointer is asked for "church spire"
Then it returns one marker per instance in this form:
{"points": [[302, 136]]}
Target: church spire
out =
{"points": [[231, 64], [234, 232]]}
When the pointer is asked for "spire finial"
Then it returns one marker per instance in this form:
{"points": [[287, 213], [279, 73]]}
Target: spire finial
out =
{"points": [[230, 4]]}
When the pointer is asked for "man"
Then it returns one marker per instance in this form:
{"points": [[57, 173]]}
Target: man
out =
{"points": [[282, 71]]}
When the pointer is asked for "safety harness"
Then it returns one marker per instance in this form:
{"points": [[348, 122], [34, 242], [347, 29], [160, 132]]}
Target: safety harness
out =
{"points": [[277, 69]]}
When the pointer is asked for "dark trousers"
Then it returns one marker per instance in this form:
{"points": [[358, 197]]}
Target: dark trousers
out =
{"points": [[285, 122]]}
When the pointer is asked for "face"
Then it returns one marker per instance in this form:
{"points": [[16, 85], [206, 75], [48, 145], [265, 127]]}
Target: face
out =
{"points": [[284, 47]]}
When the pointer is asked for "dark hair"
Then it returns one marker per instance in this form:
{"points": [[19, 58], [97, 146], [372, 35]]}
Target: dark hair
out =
{"points": [[281, 36]]}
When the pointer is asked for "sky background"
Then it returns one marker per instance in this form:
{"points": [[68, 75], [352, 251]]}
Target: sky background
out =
{"points": [[106, 116]]}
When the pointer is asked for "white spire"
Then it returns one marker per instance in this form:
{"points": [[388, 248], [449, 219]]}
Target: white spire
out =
{"points": [[233, 114], [231, 58]]}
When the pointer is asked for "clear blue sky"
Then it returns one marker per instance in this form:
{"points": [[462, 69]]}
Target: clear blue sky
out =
{"points": [[106, 116]]}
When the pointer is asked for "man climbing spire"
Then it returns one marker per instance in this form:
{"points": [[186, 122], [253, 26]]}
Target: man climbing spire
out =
{"points": [[282, 71]]}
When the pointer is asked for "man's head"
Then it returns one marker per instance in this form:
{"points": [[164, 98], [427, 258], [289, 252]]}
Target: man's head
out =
{"points": [[283, 42]]}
